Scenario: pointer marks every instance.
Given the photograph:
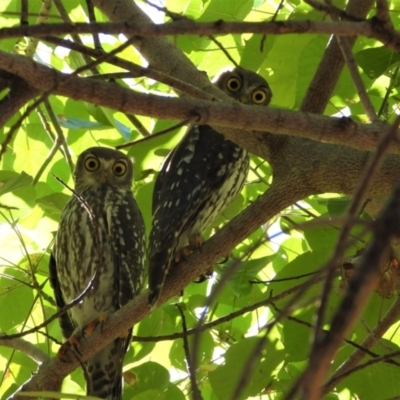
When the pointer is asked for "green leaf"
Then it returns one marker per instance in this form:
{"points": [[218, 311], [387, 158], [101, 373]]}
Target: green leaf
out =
{"points": [[149, 376], [150, 394], [255, 51], [11, 181], [338, 206], [322, 239], [376, 61], [235, 365], [363, 383], [222, 9], [16, 299], [53, 204], [240, 280], [296, 337]]}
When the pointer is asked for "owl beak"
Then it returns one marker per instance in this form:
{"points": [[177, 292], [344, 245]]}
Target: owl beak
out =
{"points": [[244, 99], [104, 176]]}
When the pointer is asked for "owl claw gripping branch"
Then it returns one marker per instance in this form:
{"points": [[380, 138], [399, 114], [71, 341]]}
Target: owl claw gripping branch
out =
{"points": [[198, 180], [99, 248]]}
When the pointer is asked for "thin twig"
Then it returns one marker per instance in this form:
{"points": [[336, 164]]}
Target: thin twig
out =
{"points": [[90, 284], [332, 10], [136, 70], [226, 318], [228, 273], [388, 320], [92, 19], [360, 348], [157, 134], [75, 37], [249, 365], [222, 48], [138, 125], [33, 42], [376, 360], [24, 12], [25, 347], [393, 83], [356, 77], [60, 140], [192, 372], [13, 130]]}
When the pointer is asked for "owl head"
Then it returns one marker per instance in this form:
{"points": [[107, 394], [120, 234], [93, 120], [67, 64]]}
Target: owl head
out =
{"points": [[99, 166], [245, 86]]}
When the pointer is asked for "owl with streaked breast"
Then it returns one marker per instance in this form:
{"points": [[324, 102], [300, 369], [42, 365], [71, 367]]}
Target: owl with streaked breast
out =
{"points": [[100, 243]]}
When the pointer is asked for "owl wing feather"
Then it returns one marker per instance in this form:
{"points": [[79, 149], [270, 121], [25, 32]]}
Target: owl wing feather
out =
{"points": [[127, 225], [66, 325], [192, 172]]}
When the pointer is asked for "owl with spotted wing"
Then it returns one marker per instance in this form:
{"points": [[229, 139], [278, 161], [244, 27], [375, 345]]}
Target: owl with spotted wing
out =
{"points": [[100, 243], [198, 180]]}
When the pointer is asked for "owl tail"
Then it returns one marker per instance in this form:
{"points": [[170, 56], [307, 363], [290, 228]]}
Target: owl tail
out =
{"points": [[103, 372]]}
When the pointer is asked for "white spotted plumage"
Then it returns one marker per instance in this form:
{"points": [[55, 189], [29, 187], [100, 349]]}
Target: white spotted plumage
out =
{"points": [[198, 180]]}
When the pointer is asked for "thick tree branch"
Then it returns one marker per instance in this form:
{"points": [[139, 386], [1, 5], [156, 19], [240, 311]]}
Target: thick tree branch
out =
{"points": [[367, 28], [235, 115], [20, 93]]}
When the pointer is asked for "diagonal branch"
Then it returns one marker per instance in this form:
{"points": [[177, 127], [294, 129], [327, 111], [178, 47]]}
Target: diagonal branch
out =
{"points": [[51, 373]]}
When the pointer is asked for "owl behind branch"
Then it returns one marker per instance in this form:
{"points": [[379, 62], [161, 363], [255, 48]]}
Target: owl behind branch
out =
{"points": [[101, 235], [198, 180]]}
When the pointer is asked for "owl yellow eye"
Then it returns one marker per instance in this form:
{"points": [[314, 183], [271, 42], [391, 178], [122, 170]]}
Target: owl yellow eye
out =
{"points": [[258, 96], [119, 168], [233, 84], [92, 164]]}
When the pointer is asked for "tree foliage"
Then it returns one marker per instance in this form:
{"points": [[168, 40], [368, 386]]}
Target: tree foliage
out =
{"points": [[303, 303]]}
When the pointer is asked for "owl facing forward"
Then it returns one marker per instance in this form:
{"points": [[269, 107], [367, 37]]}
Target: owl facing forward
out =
{"points": [[101, 243], [198, 180]]}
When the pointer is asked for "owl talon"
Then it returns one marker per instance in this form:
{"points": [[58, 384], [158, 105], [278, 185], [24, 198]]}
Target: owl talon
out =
{"points": [[182, 254], [75, 343], [195, 243], [72, 342], [125, 335], [91, 326], [62, 353]]}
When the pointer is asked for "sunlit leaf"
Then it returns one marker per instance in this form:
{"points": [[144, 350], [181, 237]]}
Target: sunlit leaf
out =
{"points": [[11, 181], [377, 61]]}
